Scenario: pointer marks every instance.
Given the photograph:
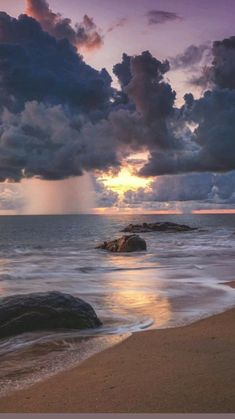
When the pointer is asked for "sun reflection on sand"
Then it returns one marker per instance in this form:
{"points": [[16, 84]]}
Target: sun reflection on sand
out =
{"points": [[137, 291], [152, 306]]}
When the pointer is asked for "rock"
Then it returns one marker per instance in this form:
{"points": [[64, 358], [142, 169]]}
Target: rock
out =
{"points": [[131, 243], [44, 311], [166, 226]]}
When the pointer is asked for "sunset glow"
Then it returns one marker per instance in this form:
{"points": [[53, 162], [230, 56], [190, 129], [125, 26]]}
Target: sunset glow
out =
{"points": [[127, 210], [124, 182], [117, 206], [86, 127], [214, 211]]}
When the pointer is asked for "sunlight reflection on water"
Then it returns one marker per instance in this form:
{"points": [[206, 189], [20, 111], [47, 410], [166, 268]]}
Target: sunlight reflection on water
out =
{"points": [[177, 281]]}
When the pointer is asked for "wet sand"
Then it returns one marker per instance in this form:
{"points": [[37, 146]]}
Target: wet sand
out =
{"points": [[187, 369]]}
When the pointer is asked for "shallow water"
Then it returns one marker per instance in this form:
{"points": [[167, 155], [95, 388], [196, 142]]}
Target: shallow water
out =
{"points": [[177, 281]]}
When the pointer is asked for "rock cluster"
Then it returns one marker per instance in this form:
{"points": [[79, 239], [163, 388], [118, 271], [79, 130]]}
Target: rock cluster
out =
{"points": [[149, 227]]}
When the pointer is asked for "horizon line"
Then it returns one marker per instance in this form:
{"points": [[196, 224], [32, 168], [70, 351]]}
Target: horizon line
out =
{"points": [[229, 211]]}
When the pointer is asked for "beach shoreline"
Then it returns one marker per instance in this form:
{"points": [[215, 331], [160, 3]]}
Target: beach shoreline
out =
{"points": [[184, 369]]}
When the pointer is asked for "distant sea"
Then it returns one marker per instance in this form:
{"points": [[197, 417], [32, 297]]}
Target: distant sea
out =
{"points": [[179, 280]]}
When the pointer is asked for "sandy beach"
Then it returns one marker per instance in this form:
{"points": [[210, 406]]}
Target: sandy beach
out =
{"points": [[117, 206], [187, 369]]}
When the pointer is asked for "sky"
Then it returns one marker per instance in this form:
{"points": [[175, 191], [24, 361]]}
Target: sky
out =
{"points": [[84, 128]]}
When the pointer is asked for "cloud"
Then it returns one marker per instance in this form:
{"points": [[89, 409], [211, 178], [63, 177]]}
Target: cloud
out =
{"points": [[211, 144], [223, 68], [221, 72], [51, 143], [123, 70], [11, 198], [50, 99], [153, 98], [120, 23], [105, 198], [147, 103], [36, 66], [123, 73], [202, 79], [157, 17], [85, 35], [202, 187], [62, 121], [196, 61], [59, 117], [58, 141], [193, 55], [144, 121]]}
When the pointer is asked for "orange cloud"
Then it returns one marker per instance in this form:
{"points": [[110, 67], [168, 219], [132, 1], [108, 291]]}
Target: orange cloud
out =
{"points": [[85, 35]]}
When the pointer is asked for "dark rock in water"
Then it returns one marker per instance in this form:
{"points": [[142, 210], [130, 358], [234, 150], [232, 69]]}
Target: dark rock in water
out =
{"points": [[131, 243], [44, 311], [167, 226]]}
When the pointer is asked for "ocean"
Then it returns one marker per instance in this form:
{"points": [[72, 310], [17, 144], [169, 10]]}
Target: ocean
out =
{"points": [[180, 279]]}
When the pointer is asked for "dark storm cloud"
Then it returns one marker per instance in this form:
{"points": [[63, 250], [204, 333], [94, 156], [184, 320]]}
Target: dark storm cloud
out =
{"points": [[50, 143], [150, 102], [38, 138], [153, 98], [123, 70], [211, 146], [223, 70], [123, 73], [214, 115], [35, 66], [84, 35], [49, 98], [213, 141], [60, 117], [157, 17]]}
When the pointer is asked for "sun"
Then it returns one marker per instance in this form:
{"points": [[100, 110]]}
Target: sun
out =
{"points": [[124, 181]]}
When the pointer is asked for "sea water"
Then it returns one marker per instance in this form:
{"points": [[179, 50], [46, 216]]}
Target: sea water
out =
{"points": [[180, 279]]}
